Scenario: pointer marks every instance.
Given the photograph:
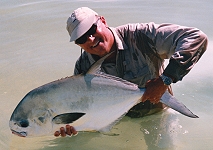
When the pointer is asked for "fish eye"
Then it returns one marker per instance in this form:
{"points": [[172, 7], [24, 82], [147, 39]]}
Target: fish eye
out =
{"points": [[24, 123]]}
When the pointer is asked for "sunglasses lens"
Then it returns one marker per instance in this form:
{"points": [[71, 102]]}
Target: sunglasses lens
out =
{"points": [[83, 38], [92, 30]]}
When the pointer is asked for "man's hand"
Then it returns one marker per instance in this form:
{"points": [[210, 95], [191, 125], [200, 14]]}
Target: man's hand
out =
{"points": [[155, 88], [68, 130]]}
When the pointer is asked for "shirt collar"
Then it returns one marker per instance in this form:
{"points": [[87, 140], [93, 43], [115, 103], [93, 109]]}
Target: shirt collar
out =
{"points": [[118, 39]]}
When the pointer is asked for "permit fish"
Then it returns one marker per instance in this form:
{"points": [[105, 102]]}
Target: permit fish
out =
{"points": [[94, 101]]}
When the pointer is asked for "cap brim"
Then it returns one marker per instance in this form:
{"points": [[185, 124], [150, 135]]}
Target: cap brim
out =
{"points": [[82, 27]]}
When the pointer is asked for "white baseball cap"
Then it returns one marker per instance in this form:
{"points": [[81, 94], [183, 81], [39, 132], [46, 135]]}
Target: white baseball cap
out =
{"points": [[80, 21]]}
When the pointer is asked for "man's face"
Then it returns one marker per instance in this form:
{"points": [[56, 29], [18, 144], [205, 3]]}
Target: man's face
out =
{"points": [[101, 42]]}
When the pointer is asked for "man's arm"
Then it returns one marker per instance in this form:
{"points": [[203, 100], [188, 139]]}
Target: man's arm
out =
{"points": [[182, 45]]}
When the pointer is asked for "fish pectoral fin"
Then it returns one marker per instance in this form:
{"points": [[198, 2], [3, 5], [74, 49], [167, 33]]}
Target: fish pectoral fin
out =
{"points": [[67, 118]]}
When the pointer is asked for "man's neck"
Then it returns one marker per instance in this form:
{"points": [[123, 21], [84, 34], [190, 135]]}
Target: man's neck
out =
{"points": [[112, 57]]}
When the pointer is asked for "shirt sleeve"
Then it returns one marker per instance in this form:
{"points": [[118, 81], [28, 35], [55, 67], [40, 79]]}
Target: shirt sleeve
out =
{"points": [[182, 45], [77, 69]]}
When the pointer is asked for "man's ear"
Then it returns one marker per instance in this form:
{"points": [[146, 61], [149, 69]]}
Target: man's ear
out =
{"points": [[103, 20]]}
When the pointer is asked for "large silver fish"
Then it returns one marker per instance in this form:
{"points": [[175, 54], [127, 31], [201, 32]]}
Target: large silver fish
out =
{"points": [[93, 101]]}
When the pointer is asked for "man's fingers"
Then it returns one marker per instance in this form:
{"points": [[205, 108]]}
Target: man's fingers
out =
{"points": [[57, 133], [74, 132], [143, 99], [71, 130], [153, 100], [68, 130], [63, 133]]}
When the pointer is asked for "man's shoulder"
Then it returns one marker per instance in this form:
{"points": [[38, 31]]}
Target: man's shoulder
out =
{"points": [[136, 26]]}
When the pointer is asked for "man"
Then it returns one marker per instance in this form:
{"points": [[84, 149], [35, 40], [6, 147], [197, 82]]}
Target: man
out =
{"points": [[140, 50]]}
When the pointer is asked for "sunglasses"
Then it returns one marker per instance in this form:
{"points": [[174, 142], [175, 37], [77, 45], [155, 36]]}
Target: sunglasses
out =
{"points": [[84, 37]]}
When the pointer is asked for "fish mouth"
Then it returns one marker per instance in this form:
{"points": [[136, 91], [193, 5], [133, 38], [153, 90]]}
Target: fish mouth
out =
{"points": [[21, 134]]}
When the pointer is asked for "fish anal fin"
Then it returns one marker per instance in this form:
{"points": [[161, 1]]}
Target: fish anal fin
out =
{"points": [[67, 118], [107, 129]]}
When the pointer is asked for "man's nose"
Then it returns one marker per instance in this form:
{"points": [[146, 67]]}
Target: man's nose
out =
{"points": [[91, 38]]}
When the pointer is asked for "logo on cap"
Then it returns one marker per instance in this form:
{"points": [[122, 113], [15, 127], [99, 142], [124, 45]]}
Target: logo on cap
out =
{"points": [[73, 18]]}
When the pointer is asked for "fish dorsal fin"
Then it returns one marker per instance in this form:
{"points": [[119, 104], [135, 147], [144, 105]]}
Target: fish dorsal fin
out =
{"points": [[96, 71], [67, 118], [118, 79], [97, 65]]}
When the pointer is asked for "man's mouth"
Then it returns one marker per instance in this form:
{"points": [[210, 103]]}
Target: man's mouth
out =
{"points": [[96, 44]]}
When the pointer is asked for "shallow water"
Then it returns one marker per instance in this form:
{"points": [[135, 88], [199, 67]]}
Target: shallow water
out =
{"points": [[35, 49]]}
